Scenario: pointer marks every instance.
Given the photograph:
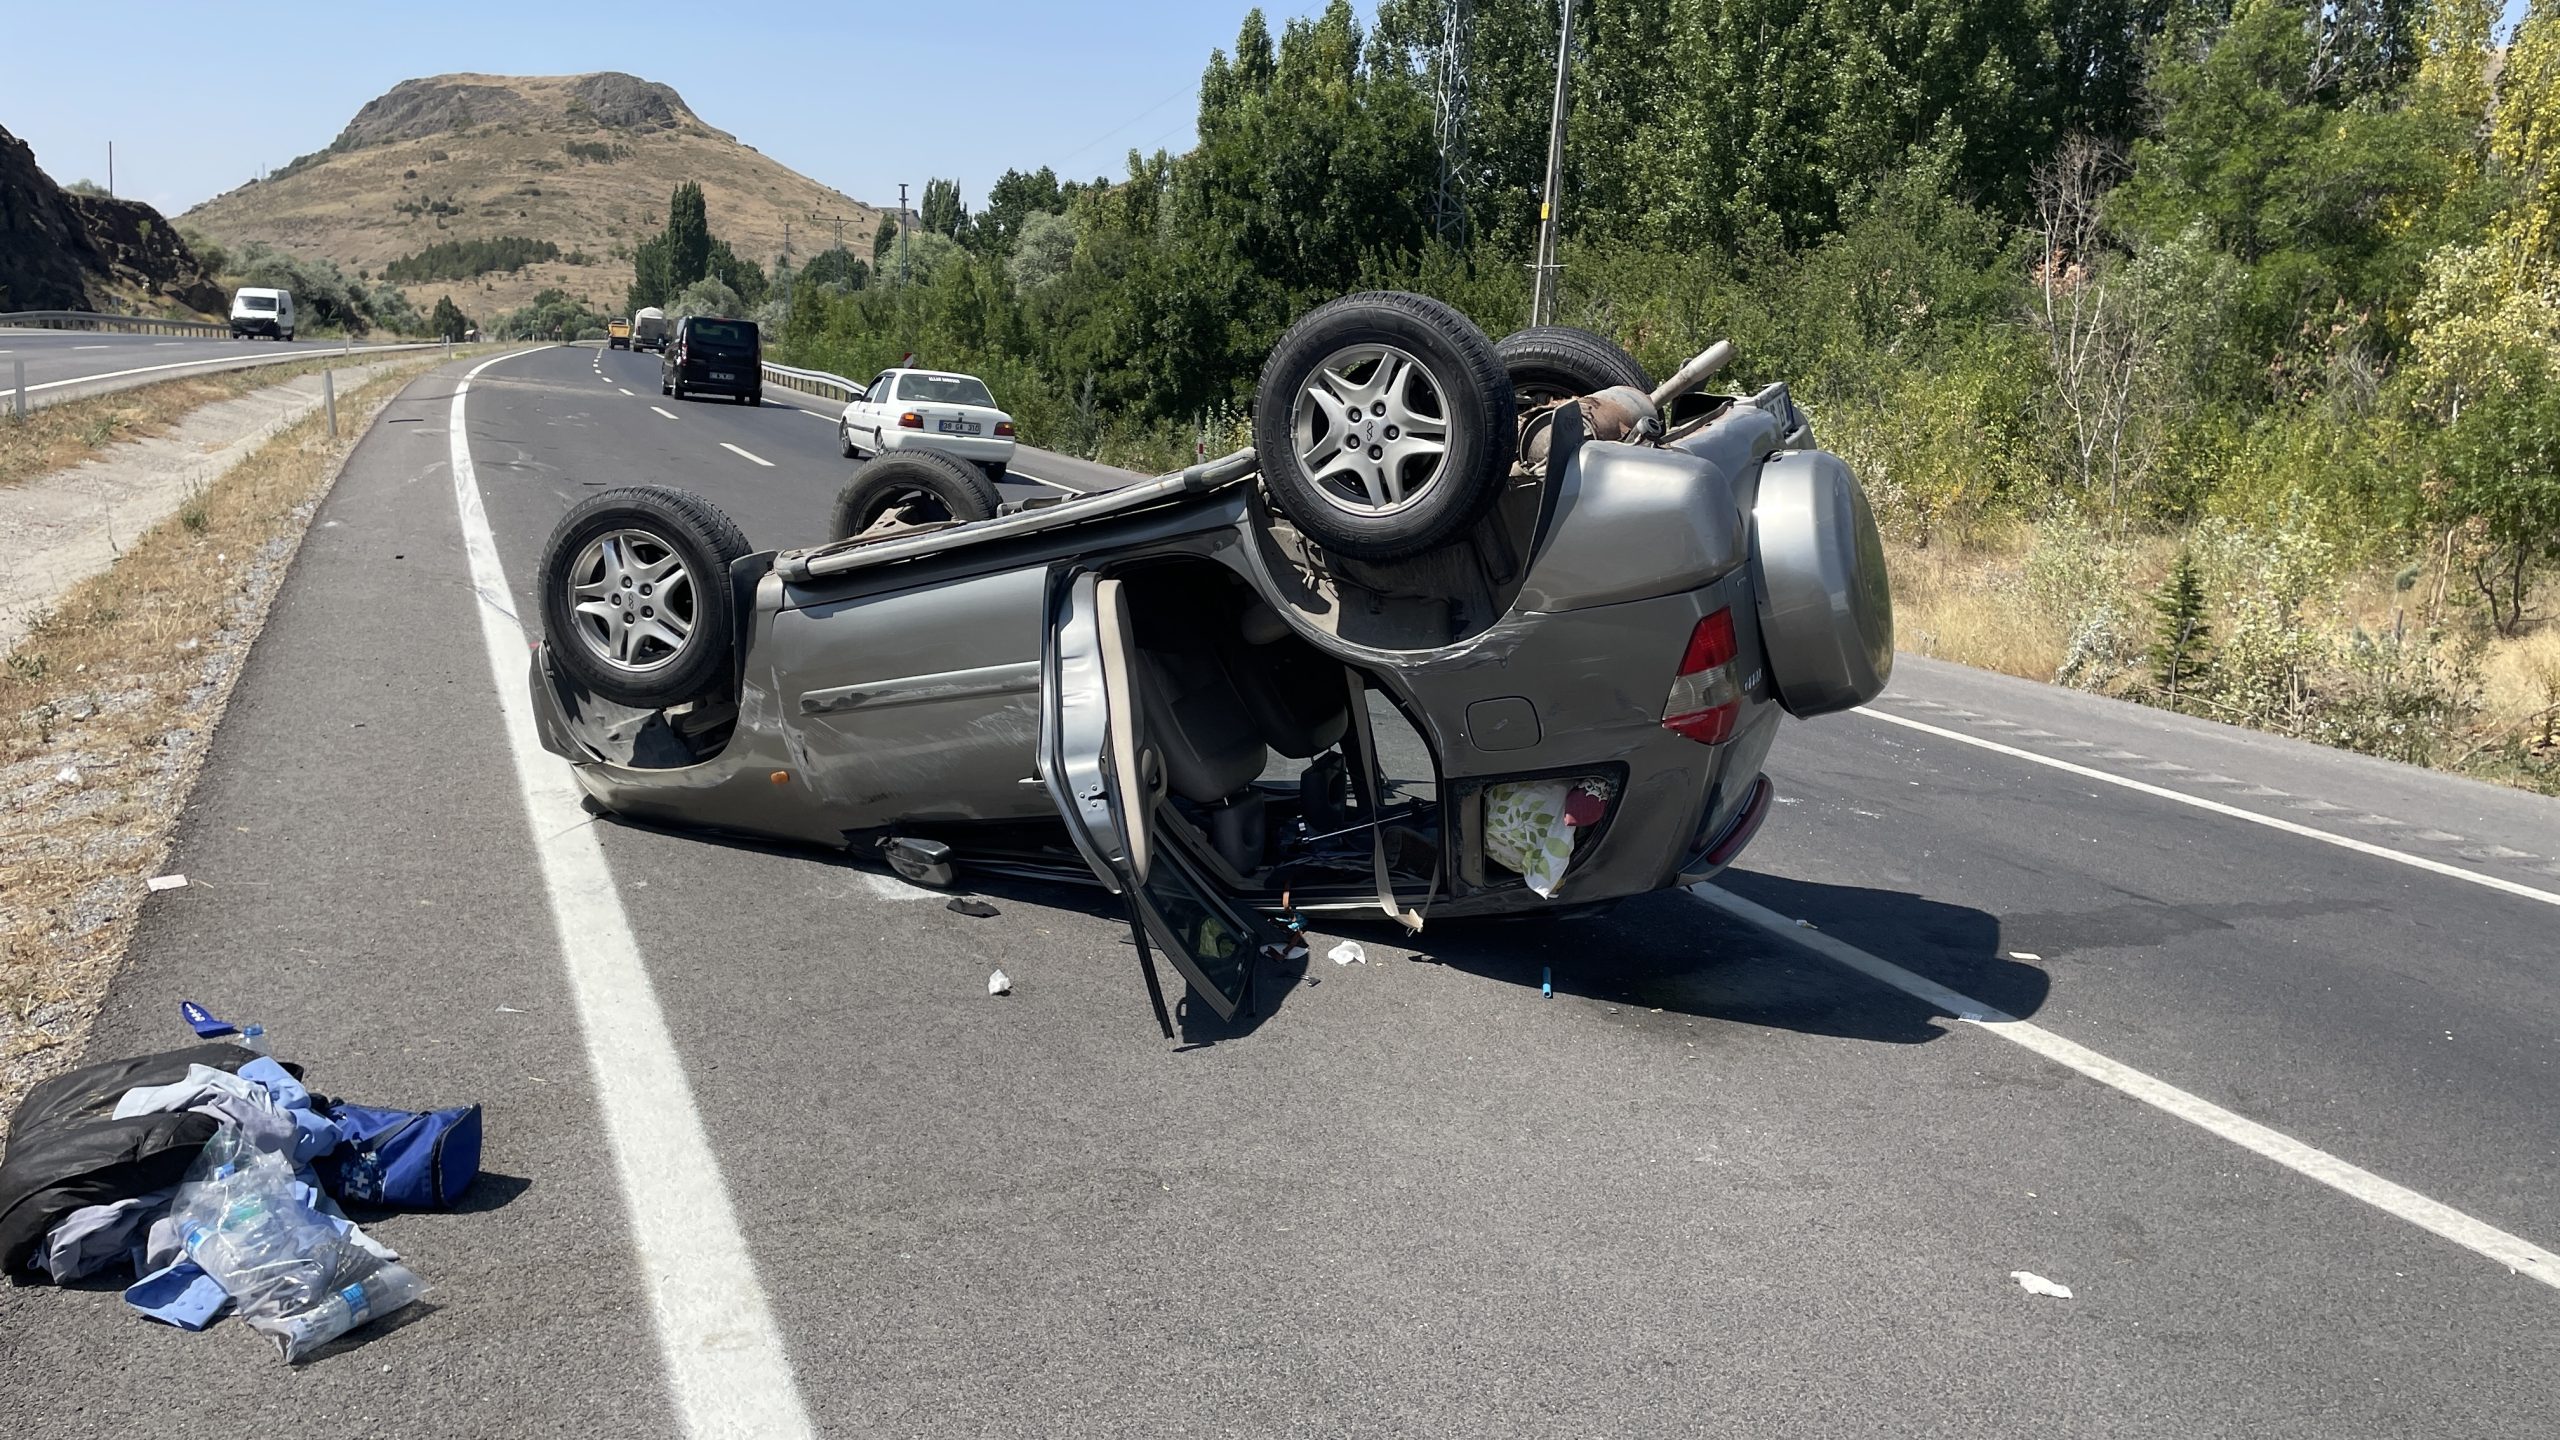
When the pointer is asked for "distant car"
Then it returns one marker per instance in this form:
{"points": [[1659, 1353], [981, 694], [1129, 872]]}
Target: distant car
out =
{"points": [[256, 310], [649, 329], [714, 357], [909, 410], [617, 335]]}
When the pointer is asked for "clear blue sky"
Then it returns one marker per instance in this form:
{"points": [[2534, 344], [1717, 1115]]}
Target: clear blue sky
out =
{"points": [[859, 96]]}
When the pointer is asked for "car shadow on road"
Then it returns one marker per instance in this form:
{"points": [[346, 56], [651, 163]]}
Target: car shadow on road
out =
{"points": [[1674, 953]]}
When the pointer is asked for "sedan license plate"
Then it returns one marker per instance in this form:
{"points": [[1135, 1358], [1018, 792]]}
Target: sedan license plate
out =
{"points": [[724, 375], [959, 427]]}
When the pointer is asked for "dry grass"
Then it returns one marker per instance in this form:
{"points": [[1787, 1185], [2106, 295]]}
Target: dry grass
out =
{"points": [[105, 709], [68, 432], [1981, 601]]}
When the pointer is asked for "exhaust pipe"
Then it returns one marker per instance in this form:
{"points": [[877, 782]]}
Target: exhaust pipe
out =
{"points": [[1694, 374]]}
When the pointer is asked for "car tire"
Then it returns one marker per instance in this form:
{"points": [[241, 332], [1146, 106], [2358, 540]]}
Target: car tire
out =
{"points": [[1410, 363], [844, 442], [927, 486], [607, 549], [995, 472], [1547, 363], [756, 399]]}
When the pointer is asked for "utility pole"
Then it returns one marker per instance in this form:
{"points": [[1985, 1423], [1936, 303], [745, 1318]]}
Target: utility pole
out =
{"points": [[838, 221], [111, 169], [905, 226], [1542, 294]]}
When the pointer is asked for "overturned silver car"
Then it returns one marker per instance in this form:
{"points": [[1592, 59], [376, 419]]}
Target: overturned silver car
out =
{"points": [[1471, 630]]}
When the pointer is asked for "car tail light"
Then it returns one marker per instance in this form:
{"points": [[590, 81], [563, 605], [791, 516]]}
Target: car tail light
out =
{"points": [[1005, 428], [1705, 703], [1738, 833], [911, 421]]}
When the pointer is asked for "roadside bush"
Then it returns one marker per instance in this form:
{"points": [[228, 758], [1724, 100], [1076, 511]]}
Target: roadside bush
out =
{"points": [[706, 296]]}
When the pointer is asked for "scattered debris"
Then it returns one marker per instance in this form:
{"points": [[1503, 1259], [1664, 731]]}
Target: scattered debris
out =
{"points": [[2035, 1284], [166, 882], [973, 908], [2027, 955], [1546, 982], [999, 984], [67, 775], [1348, 953], [509, 1010], [1802, 924]]}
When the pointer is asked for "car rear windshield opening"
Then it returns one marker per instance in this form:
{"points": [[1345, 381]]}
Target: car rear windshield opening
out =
{"points": [[948, 389], [723, 334], [259, 302]]}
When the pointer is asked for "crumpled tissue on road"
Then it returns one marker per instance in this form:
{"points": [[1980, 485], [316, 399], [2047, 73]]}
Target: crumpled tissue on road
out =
{"points": [[214, 1174], [2035, 1284]]}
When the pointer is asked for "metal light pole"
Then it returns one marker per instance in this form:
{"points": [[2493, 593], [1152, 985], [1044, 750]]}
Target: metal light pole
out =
{"points": [[1542, 293]]}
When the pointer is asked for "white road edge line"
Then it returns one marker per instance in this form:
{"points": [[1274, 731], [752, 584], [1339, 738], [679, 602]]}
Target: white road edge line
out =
{"points": [[725, 1360], [238, 361], [1044, 480], [2478, 1236], [746, 454], [670, 414], [626, 392], [2343, 842]]}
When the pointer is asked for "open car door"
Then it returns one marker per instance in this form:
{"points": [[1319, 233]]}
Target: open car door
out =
{"points": [[1109, 783]]}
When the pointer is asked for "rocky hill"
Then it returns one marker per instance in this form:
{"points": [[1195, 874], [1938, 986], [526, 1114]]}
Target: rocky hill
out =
{"points": [[584, 162], [61, 251]]}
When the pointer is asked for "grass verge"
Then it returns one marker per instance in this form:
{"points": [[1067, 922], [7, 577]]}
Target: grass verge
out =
{"points": [[56, 436], [105, 710]]}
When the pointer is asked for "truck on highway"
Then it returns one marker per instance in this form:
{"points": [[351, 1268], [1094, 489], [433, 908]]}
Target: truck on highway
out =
{"points": [[649, 329], [617, 335]]}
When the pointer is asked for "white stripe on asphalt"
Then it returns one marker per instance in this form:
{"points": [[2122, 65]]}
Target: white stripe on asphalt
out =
{"points": [[670, 414], [1011, 474], [725, 1359], [2478, 1236], [93, 347], [749, 454], [626, 392], [2343, 842]]}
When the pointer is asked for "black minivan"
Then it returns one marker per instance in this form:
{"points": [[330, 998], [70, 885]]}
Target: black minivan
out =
{"points": [[713, 357]]}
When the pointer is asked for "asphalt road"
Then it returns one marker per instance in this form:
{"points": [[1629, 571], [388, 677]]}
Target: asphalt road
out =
{"points": [[64, 364], [1720, 1184]]}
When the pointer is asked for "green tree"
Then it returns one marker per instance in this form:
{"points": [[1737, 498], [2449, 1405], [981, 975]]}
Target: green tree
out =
{"points": [[1045, 251], [688, 236], [2179, 630], [835, 267], [941, 212], [448, 321], [882, 241]]}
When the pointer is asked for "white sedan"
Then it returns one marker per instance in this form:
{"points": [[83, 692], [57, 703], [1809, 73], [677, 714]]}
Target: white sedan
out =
{"points": [[929, 410]]}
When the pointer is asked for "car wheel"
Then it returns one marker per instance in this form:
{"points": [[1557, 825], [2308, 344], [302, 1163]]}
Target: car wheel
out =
{"points": [[844, 439], [756, 399], [1548, 363], [995, 472], [1384, 425], [915, 488], [635, 595]]}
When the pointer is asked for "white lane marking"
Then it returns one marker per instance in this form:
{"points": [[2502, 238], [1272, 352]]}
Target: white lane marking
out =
{"points": [[93, 347], [2478, 1236], [2343, 842], [1044, 480], [238, 361], [670, 414], [746, 454], [626, 392], [725, 1360]]}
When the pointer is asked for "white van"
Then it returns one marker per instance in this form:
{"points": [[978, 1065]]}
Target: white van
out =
{"points": [[256, 311]]}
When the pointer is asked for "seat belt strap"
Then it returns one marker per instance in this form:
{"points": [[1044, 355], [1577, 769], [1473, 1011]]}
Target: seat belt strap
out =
{"points": [[1367, 781]]}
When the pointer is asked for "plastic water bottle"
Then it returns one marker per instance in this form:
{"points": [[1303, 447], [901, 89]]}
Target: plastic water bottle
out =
{"points": [[254, 1037], [377, 1294]]}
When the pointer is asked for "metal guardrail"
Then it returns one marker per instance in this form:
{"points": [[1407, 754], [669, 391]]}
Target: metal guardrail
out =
{"points": [[814, 382], [91, 320]]}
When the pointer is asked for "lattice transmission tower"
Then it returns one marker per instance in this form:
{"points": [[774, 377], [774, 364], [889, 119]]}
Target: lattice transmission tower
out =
{"points": [[1449, 120]]}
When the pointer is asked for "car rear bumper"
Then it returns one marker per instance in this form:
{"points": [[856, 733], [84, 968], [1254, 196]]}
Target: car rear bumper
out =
{"points": [[976, 449], [746, 377], [258, 325]]}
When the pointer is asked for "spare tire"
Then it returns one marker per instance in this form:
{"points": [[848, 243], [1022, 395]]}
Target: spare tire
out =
{"points": [[634, 585], [1383, 426], [1548, 363], [917, 487], [1826, 606]]}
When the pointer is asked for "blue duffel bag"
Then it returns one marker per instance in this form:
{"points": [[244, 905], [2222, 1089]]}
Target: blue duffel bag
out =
{"points": [[418, 1160]]}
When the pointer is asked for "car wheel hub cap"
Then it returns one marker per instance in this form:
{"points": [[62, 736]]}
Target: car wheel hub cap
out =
{"points": [[632, 600], [1372, 430]]}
